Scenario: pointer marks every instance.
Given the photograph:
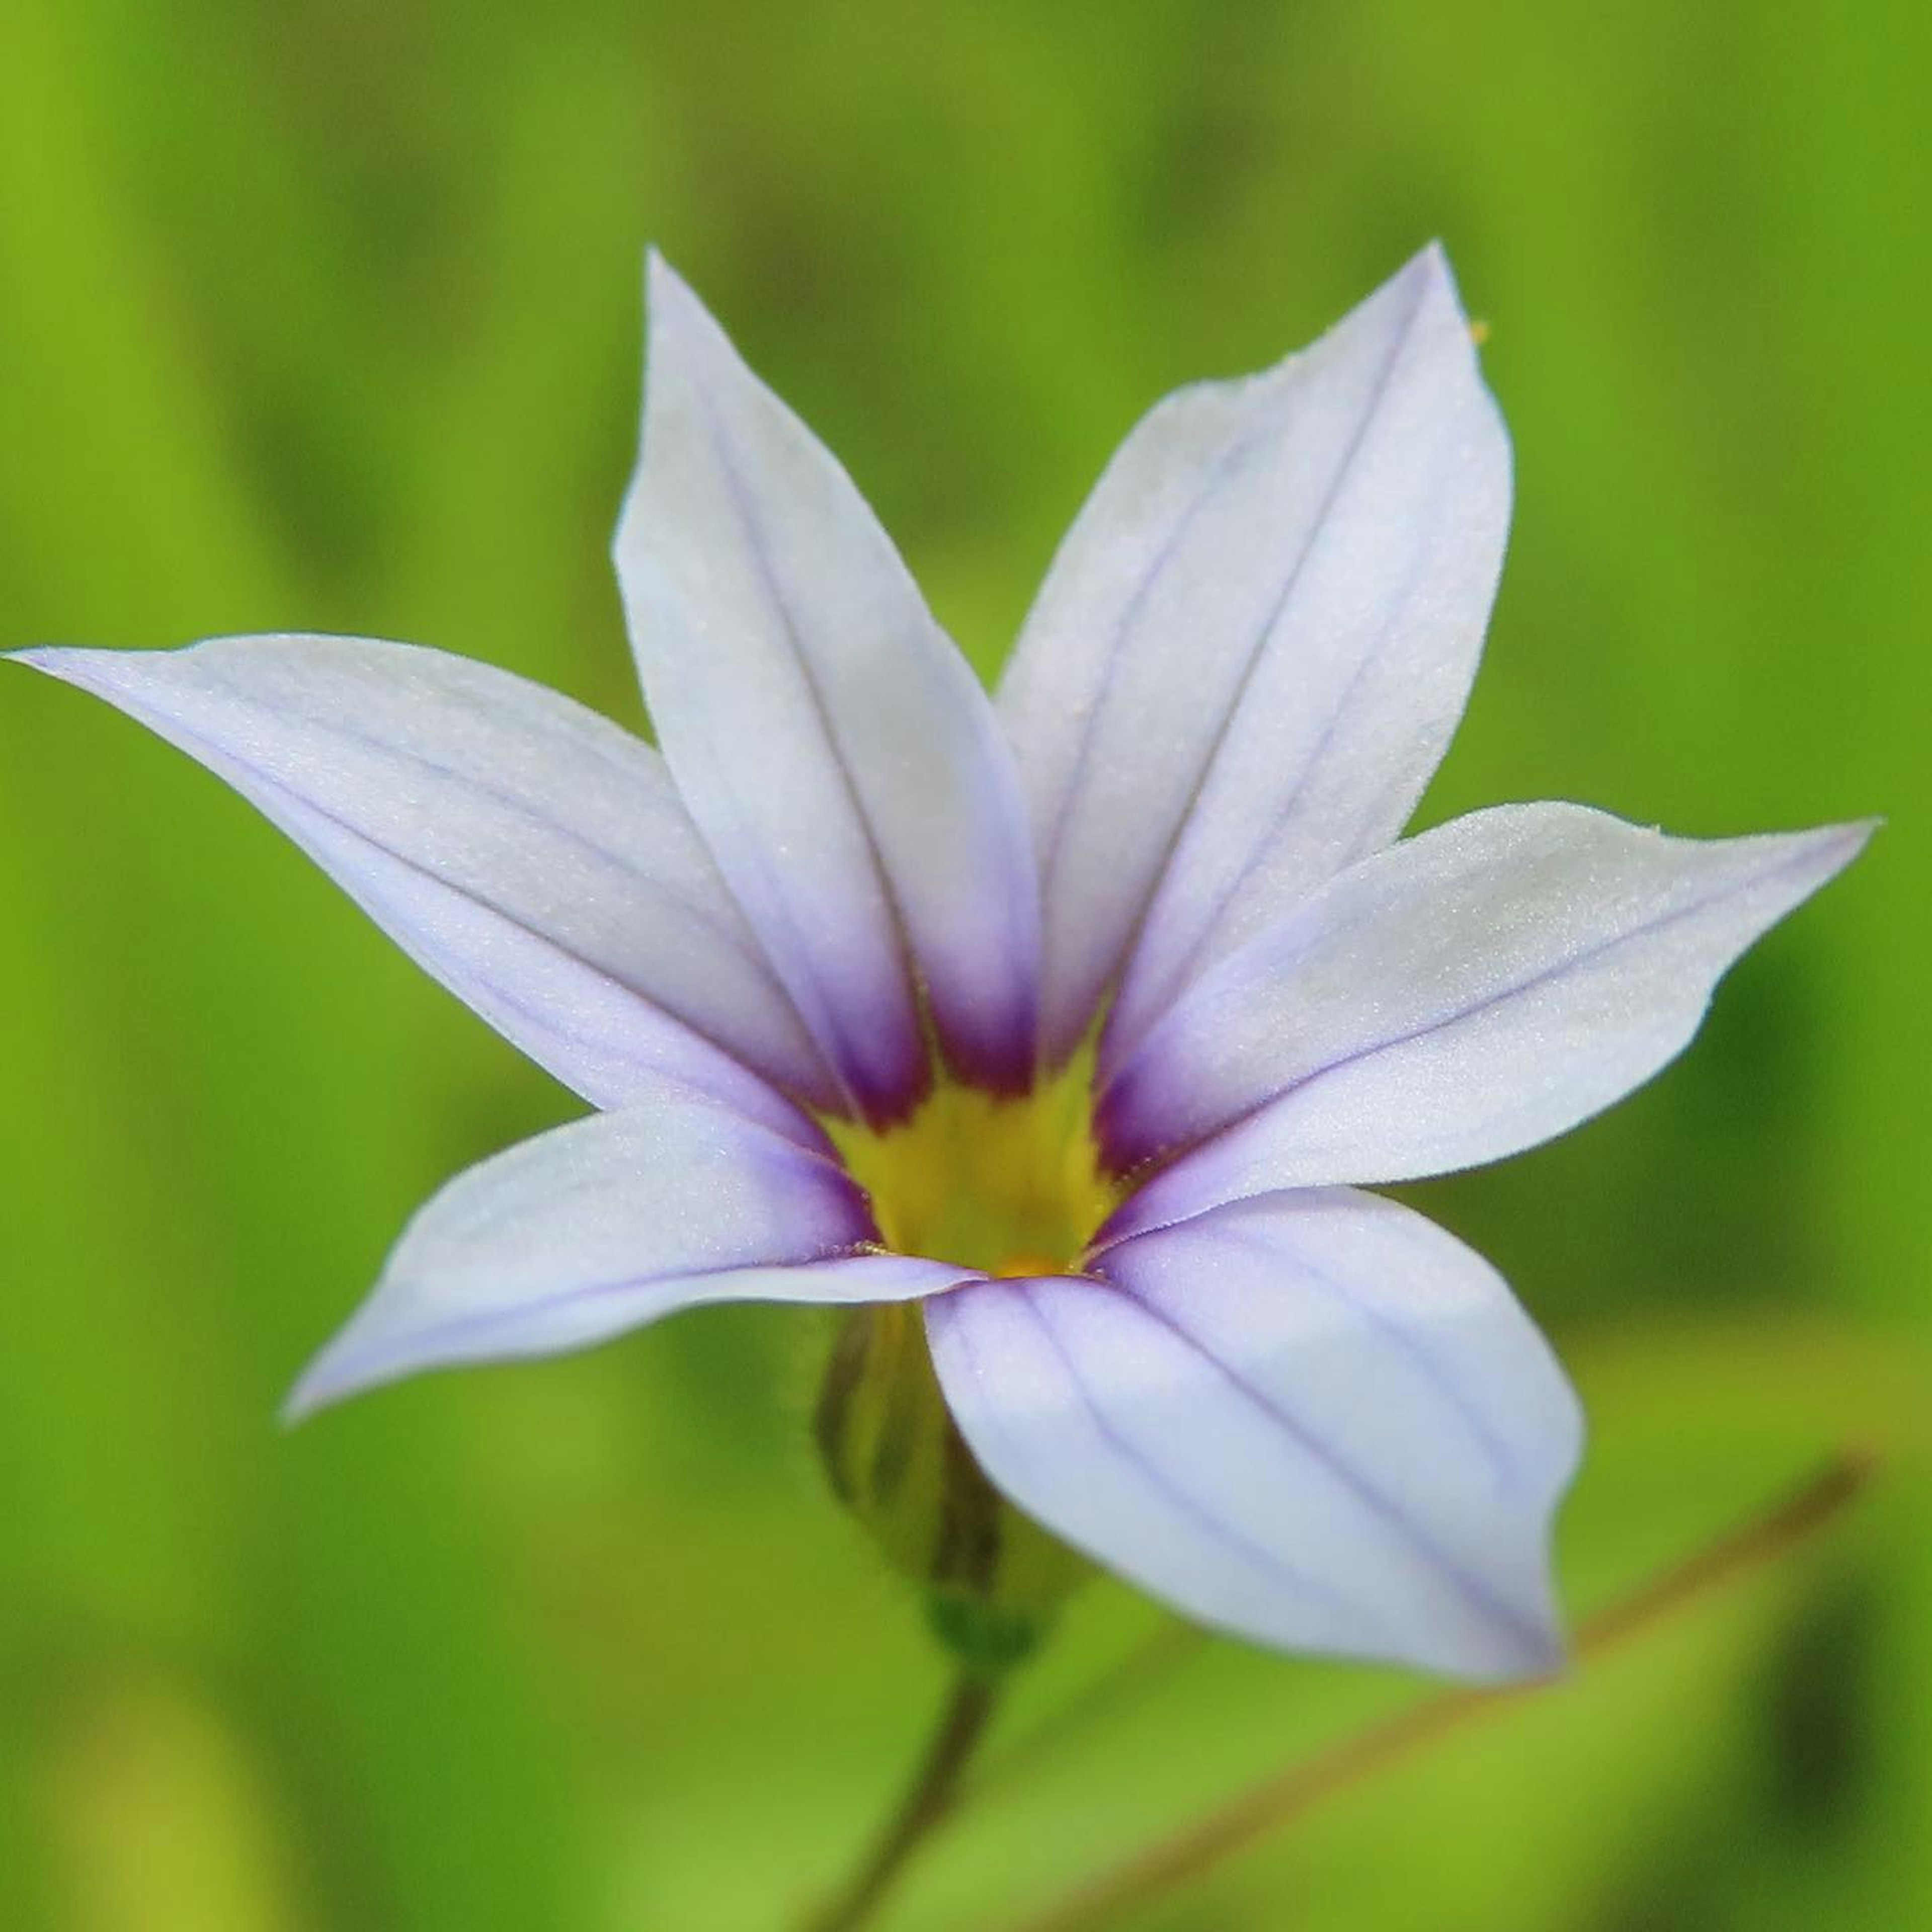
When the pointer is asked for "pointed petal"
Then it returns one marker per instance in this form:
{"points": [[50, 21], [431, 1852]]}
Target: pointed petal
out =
{"points": [[1252, 649], [1316, 1420], [1460, 996], [529, 854], [834, 747], [604, 1224]]}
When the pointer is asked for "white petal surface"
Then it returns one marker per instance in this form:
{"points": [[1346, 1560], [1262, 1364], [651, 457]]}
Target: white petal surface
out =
{"points": [[836, 750], [606, 1224], [1316, 1420], [1253, 646], [531, 855], [1464, 995]]}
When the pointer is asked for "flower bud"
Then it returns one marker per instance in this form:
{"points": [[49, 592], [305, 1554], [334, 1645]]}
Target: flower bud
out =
{"points": [[994, 1579]]}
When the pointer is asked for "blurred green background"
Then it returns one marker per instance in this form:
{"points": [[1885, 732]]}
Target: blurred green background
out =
{"points": [[326, 316]]}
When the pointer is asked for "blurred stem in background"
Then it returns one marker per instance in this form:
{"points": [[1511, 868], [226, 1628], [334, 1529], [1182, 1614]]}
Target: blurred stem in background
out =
{"points": [[1280, 1800]]}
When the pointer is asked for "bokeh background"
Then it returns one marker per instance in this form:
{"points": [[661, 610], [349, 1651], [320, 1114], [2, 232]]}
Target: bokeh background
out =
{"points": [[325, 314]]}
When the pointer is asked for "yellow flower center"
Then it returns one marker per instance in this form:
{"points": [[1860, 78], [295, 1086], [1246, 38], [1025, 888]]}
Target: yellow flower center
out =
{"points": [[1004, 1186]]}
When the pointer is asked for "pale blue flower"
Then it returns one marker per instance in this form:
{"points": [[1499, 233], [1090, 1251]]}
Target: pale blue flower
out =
{"points": [[1298, 1411]]}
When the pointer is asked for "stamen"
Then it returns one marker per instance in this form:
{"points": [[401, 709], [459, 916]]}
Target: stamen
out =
{"points": [[1011, 1187], [1017, 1266]]}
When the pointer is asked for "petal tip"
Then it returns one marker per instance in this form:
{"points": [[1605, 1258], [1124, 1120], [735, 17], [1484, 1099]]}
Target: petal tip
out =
{"points": [[359, 1357], [1820, 855], [294, 1412], [686, 346], [52, 659], [670, 300], [307, 1398], [1429, 281], [1536, 1651], [660, 278], [1854, 835], [1517, 1637], [323, 1383], [106, 671], [1430, 273]]}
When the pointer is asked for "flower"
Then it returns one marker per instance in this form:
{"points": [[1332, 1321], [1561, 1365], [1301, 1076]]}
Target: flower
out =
{"points": [[1081, 1014]]}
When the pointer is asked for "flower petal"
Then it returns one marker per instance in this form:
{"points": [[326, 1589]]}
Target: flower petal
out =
{"points": [[1460, 996], [530, 854], [1252, 649], [1317, 1420], [835, 749], [608, 1223]]}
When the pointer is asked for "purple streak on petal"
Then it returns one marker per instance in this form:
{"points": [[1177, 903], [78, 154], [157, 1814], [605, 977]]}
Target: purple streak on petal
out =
{"points": [[838, 752], [1318, 1421], [608, 1223], [1396, 1326], [583, 1026], [582, 1318], [1462, 997], [1226, 467], [1262, 630], [948, 1314], [1272, 821], [425, 784], [1533, 1639]]}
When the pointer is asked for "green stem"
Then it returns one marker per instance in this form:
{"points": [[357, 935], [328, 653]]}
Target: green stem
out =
{"points": [[926, 1802]]}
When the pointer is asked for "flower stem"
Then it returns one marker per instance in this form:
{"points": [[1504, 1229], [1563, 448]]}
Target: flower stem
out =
{"points": [[1287, 1795], [926, 1800]]}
